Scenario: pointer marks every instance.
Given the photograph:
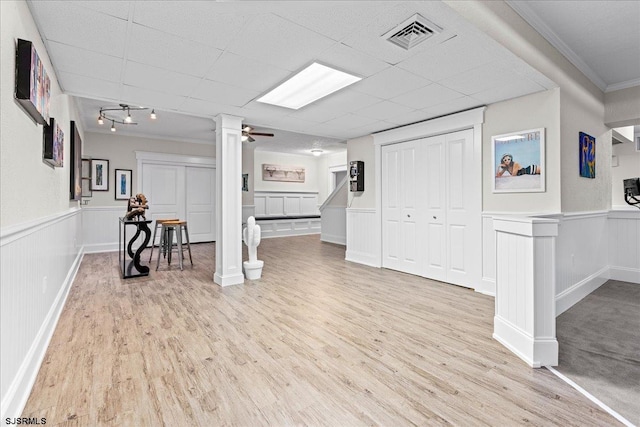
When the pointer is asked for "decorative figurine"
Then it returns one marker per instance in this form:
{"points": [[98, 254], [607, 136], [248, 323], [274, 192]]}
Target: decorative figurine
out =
{"points": [[251, 238], [136, 207]]}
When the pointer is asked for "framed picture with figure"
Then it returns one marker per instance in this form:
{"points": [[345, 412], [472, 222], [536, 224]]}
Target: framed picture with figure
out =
{"points": [[123, 184], [518, 162], [99, 175]]}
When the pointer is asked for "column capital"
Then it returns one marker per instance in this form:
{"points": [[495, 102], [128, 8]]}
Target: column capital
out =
{"points": [[228, 121]]}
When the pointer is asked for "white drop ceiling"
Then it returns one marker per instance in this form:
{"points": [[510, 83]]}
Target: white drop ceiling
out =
{"points": [[191, 60]]}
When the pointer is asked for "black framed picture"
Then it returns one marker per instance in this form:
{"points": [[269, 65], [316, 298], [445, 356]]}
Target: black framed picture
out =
{"points": [[99, 175], [123, 184]]}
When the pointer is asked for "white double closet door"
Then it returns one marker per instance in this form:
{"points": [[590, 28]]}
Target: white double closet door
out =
{"points": [[183, 192], [431, 208]]}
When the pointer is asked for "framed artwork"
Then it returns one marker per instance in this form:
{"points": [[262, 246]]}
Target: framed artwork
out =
{"points": [[587, 155], [53, 144], [283, 173], [33, 86], [75, 160], [99, 175], [245, 182], [123, 184], [518, 162]]}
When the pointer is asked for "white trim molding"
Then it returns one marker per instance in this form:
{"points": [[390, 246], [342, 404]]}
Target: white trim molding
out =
{"points": [[624, 245], [525, 317]]}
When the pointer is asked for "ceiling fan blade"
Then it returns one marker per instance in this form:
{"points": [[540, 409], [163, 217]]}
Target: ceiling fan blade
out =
{"points": [[250, 139], [260, 134]]}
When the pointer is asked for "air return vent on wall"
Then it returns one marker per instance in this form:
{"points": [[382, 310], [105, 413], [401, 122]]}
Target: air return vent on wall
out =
{"points": [[412, 32]]}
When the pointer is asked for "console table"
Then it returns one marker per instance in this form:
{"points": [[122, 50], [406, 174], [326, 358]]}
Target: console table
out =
{"points": [[129, 261]]}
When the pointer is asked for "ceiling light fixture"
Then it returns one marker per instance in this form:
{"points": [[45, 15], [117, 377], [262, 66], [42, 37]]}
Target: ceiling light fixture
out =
{"points": [[314, 82], [112, 114], [316, 152]]}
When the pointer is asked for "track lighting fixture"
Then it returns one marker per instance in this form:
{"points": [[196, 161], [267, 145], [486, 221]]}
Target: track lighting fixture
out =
{"points": [[112, 114]]}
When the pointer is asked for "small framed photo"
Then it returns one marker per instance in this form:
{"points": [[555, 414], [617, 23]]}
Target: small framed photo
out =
{"points": [[123, 184], [518, 162], [99, 175]]}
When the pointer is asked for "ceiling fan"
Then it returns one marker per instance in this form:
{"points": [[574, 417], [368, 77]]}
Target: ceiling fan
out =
{"points": [[247, 133]]}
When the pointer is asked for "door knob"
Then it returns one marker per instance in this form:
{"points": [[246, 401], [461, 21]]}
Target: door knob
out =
{"points": [[435, 217], [408, 216]]}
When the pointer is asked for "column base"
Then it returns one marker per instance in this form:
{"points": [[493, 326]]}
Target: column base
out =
{"points": [[536, 352], [235, 279]]}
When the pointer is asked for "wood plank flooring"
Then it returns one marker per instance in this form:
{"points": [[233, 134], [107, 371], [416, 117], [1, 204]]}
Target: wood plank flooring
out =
{"points": [[318, 341]]}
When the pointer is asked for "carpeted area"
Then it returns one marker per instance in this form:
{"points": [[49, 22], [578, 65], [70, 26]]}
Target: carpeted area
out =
{"points": [[600, 346]]}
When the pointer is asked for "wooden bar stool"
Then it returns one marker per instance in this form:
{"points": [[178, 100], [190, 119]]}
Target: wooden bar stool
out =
{"points": [[169, 228], [155, 229]]}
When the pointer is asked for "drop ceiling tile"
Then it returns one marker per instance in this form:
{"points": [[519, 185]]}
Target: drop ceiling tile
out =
{"points": [[206, 22], [85, 62], [350, 121], [278, 42], [204, 108], [158, 79], [335, 20], [447, 59], [390, 83], [314, 113], [117, 8], [408, 118], [246, 72], [345, 101], [427, 96], [508, 91], [221, 93], [151, 98], [81, 27], [492, 75], [351, 61], [78, 85], [454, 106], [160, 49], [383, 110]]}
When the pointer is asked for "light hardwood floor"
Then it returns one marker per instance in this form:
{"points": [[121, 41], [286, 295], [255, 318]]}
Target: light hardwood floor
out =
{"points": [[317, 341]]}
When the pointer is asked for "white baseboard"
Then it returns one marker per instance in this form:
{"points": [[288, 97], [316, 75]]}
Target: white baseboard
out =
{"points": [[625, 274], [567, 299], [535, 352], [101, 247], [15, 399], [362, 258], [487, 287], [329, 238]]}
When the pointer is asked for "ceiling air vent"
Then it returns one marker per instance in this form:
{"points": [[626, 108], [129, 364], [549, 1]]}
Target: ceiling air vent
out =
{"points": [[412, 32]]}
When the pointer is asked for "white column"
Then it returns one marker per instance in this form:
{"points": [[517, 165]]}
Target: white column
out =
{"points": [[228, 201], [525, 318]]}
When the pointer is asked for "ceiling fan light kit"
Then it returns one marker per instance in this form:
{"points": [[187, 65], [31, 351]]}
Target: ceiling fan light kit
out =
{"points": [[110, 114], [314, 82], [247, 132]]}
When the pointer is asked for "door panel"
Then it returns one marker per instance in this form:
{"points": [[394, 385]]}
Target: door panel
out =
{"points": [[200, 203], [463, 215], [401, 245]]}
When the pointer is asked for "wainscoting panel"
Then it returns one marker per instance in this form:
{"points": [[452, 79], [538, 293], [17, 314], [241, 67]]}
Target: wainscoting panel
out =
{"points": [[288, 227], [100, 227], [334, 225], [285, 204], [624, 245], [39, 261], [582, 263], [363, 231]]}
